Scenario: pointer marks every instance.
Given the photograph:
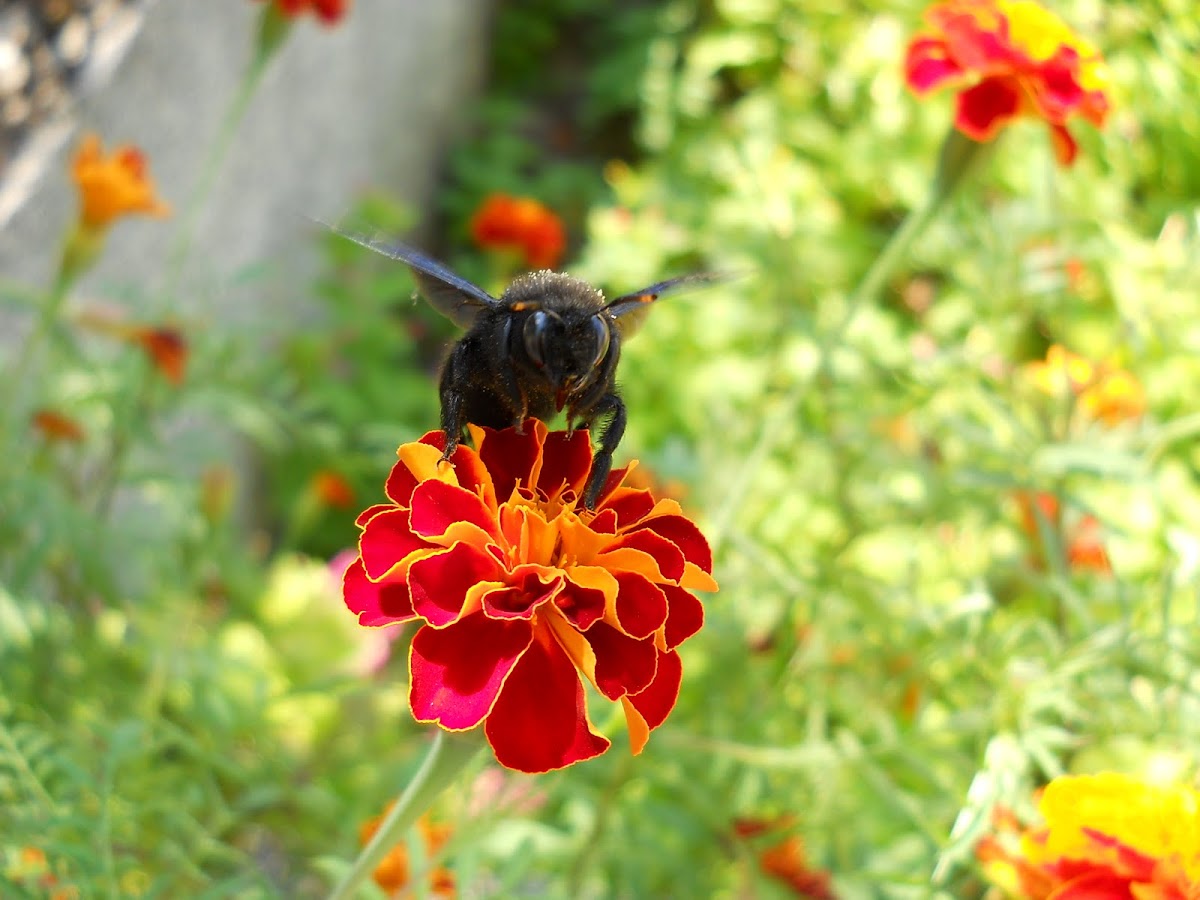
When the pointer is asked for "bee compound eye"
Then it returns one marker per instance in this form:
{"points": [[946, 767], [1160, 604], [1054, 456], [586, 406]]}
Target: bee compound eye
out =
{"points": [[534, 335], [600, 331]]}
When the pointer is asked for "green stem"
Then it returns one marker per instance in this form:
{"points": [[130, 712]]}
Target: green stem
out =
{"points": [[448, 755], [177, 257]]}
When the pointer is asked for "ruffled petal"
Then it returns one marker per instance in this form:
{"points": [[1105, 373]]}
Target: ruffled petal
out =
{"points": [[647, 710], [371, 512], [683, 533], [438, 507], [586, 595], [927, 65], [376, 602], [388, 541], [457, 672], [641, 607], [439, 583], [514, 460], [987, 107], [566, 462], [629, 504], [528, 588], [624, 665], [540, 721], [685, 617]]}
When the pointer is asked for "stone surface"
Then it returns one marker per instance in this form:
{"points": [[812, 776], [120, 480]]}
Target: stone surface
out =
{"points": [[368, 103]]}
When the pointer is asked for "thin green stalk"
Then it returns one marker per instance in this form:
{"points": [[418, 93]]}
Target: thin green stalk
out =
{"points": [[448, 755], [181, 248]]}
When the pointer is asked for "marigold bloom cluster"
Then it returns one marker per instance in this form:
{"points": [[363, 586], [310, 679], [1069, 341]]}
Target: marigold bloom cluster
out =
{"points": [[394, 873], [1104, 392], [522, 225], [1009, 59], [113, 186], [520, 592], [1104, 837]]}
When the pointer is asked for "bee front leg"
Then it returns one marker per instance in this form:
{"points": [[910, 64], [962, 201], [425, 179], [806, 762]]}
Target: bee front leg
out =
{"points": [[451, 392], [602, 462]]}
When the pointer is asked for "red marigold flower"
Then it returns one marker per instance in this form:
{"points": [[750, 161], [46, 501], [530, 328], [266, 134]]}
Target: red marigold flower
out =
{"points": [[1084, 544], [113, 186], [785, 861], [1104, 836], [520, 224], [394, 873], [329, 12], [54, 426], [519, 591], [1009, 58]]}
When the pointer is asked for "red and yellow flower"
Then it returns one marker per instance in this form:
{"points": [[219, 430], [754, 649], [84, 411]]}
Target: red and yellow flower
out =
{"points": [[394, 872], [520, 592], [1103, 391], [112, 186], [56, 427], [1103, 837], [1009, 59], [329, 12], [521, 225]]}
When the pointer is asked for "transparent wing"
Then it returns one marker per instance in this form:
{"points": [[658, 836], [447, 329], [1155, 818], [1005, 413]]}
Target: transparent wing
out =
{"points": [[452, 295], [630, 310]]}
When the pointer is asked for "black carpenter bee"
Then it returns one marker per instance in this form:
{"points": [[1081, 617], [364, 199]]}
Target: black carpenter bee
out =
{"points": [[550, 342]]}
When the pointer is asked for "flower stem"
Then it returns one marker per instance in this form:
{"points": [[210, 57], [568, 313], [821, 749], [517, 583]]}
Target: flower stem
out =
{"points": [[447, 757]]}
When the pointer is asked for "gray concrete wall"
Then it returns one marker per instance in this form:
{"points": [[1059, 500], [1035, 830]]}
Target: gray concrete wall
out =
{"points": [[371, 102]]}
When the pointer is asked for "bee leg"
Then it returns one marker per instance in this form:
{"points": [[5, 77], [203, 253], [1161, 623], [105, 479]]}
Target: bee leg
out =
{"points": [[450, 392], [517, 398], [602, 461]]}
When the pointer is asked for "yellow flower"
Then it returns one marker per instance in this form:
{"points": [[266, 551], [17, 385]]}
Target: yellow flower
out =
{"points": [[1102, 390], [113, 186]]}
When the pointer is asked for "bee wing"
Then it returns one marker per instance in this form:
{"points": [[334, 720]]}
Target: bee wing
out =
{"points": [[630, 310], [452, 295]]}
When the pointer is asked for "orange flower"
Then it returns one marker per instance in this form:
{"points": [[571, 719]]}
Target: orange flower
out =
{"points": [[332, 489], [165, 347], [1104, 837], [394, 873], [329, 12], [1008, 59], [1103, 391], [113, 186], [54, 426], [520, 224], [785, 860], [1083, 542]]}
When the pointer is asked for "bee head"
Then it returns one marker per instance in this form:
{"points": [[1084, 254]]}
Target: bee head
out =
{"points": [[567, 350]]}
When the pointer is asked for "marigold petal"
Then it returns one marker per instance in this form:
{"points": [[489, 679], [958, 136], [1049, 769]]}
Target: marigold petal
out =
{"points": [[1065, 147], [371, 512], [533, 538], [439, 583], [586, 596], [685, 616], [641, 606], [927, 65], [630, 559], [667, 555], [648, 709], [624, 665], [540, 721], [528, 588], [630, 504], [566, 462], [987, 107], [683, 533], [696, 579], [514, 460], [457, 672], [376, 602], [387, 541], [440, 509]]}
